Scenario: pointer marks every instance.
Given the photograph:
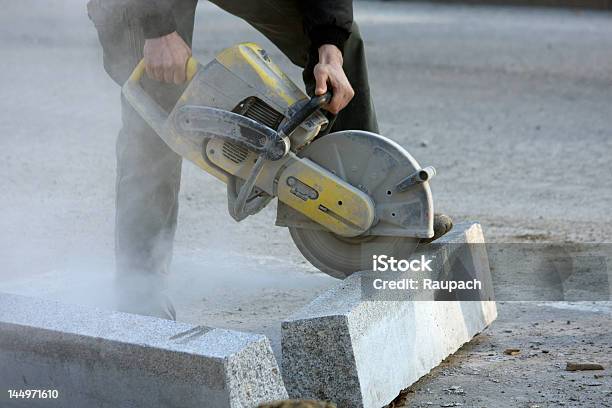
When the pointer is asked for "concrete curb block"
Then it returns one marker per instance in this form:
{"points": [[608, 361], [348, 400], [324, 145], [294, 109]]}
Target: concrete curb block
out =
{"points": [[360, 353], [110, 359]]}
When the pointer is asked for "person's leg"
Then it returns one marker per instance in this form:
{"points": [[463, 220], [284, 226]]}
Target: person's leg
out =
{"points": [[147, 186], [281, 22]]}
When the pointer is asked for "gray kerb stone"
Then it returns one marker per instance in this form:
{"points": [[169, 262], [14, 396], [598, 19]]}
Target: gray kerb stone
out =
{"points": [[362, 353], [98, 358]]}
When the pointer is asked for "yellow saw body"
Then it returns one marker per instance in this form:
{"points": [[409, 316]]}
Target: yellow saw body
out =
{"points": [[342, 195]]}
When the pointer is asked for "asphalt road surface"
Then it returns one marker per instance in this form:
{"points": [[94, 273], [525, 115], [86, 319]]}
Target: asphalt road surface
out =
{"points": [[513, 106]]}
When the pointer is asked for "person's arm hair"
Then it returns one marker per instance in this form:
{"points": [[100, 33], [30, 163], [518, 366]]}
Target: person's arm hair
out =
{"points": [[327, 22]]}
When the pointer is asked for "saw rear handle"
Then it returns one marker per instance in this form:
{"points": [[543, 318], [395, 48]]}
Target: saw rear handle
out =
{"points": [[147, 108]]}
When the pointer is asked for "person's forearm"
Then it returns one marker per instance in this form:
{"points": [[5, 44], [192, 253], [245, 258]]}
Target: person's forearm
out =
{"points": [[330, 54]]}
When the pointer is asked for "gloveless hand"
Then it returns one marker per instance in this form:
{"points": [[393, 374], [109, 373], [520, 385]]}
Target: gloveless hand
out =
{"points": [[329, 71], [166, 58]]}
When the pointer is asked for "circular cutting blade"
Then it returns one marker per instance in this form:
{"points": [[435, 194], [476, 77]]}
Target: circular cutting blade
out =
{"points": [[373, 164], [340, 257]]}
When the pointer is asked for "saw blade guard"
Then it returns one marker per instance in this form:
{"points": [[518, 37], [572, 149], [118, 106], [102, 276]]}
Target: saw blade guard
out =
{"points": [[395, 182], [383, 170]]}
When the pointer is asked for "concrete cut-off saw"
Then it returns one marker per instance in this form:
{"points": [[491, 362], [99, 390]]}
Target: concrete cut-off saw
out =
{"points": [[345, 196]]}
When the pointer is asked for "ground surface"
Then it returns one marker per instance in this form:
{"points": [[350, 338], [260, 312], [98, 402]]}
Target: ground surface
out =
{"points": [[547, 336], [512, 106]]}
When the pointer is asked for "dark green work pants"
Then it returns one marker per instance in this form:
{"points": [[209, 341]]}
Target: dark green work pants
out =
{"points": [[148, 172]]}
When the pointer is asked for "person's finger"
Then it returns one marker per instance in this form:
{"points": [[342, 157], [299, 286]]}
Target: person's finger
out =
{"points": [[179, 75], [179, 72], [347, 94], [168, 68], [150, 67], [335, 104], [168, 76], [158, 69], [321, 77], [158, 73], [149, 70]]}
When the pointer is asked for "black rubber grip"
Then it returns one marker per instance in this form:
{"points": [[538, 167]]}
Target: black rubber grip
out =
{"points": [[315, 103]]}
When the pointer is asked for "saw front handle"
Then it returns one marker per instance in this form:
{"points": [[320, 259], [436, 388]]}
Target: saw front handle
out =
{"points": [[141, 101]]}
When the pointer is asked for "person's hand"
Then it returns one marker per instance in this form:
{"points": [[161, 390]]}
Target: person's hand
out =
{"points": [[166, 58], [329, 71]]}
